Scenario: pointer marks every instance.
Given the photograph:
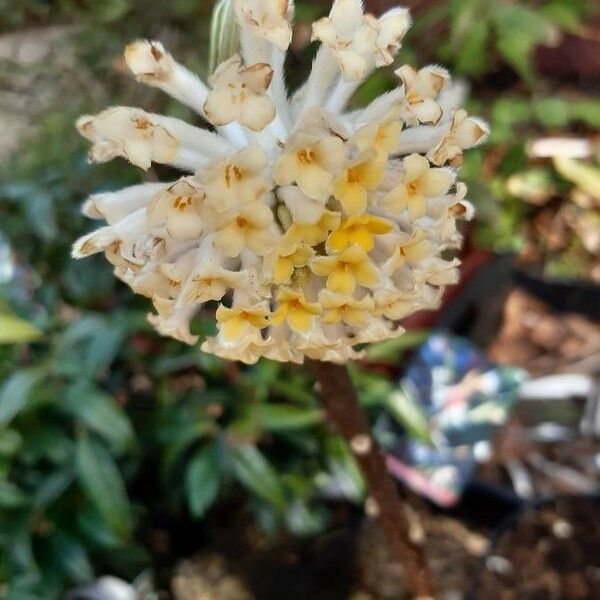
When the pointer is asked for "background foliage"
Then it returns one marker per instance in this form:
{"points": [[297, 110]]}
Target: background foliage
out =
{"points": [[107, 430]]}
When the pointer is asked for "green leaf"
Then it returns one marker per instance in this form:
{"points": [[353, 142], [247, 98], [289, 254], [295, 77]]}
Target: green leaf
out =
{"points": [[202, 479], [279, 417], [343, 469], [52, 487], [587, 111], [11, 442], [72, 557], [14, 330], [104, 486], [472, 57], [11, 496], [406, 410], [15, 393], [224, 34], [391, 349], [100, 413], [255, 472], [552, 112], [566, 14], [519, 30]]}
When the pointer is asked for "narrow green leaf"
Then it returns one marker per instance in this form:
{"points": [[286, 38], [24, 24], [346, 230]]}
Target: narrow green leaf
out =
{"points": [[100, 413], [279, 417], [72, 557], [224, 34], [406, 410], [255, 472], [16, 392], [103, 484], [14, 330], [343, 469], [202, 479]]}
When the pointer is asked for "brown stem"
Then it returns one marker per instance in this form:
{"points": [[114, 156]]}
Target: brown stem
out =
{"points": [[383, 503]]}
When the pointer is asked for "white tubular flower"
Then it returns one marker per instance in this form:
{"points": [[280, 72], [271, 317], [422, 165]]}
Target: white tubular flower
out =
{"points": [[421, 89], [313, 229], [266, 19], [240, 94], [153, 65], [115, 206]]}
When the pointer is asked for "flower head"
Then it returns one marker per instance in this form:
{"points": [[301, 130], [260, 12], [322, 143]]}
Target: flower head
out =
{"points": [[360, 41], [313, 229]]}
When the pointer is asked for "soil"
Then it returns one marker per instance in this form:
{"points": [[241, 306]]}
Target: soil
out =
{"points": [[550, 553]]}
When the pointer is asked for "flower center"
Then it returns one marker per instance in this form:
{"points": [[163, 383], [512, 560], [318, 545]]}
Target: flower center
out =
{"points": [[353, 175], [241, 222], [307, 157], [412, 188], [232, 173], [182, 203]]}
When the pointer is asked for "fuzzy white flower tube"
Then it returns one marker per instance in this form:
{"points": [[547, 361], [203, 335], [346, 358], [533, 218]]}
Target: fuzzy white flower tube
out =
{"points": [[313, 229]]}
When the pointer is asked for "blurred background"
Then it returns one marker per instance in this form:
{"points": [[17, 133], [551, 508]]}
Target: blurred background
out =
{"points": [[181, 476]]}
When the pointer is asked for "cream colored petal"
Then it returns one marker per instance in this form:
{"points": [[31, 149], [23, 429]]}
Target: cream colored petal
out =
{"points": [[436, 182], [315, 182], [415, 166], [221, 108], [331, 153], [286, 169], [354, 66], [324, 30], [257, 77], [366, 274], [347, 16], [427, 111], [304, 210], [256, 112], [392, 29], [230, 241], [149, 61], [184, 225]]}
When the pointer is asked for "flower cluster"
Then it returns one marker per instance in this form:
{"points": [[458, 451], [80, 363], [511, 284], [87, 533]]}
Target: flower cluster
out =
{"points": [[314, 229]]}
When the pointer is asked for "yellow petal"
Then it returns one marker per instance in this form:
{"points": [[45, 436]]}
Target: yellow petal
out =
{"points": [[234, 329], [284, 269], [300, 320], [437, 182], [331, 317], [353, 197], [342, 281], [338, 241], [366, 274], [363, 237], [280, 315], [323, 265], [315, 182], [379, 226]]}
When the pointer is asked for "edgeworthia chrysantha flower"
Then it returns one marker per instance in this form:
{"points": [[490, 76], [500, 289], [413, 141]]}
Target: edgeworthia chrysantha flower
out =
{"points": [[312, 229]]}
